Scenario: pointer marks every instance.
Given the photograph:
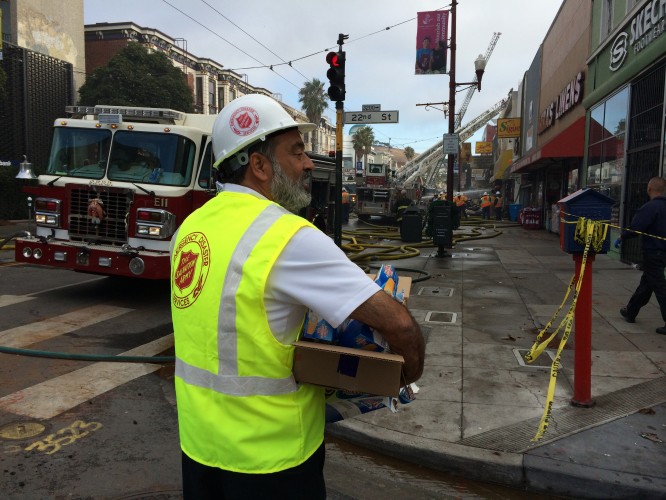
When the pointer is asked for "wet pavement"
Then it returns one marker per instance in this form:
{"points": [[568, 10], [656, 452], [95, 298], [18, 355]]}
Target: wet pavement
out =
{"points": [[479, 404]]}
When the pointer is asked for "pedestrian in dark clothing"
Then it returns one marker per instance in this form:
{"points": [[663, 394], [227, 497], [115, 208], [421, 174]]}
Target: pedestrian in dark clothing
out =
{"points": [[649, 219]]}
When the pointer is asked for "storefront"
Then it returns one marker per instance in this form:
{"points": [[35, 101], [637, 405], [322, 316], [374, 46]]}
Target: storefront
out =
{"points": [[625, 119]]}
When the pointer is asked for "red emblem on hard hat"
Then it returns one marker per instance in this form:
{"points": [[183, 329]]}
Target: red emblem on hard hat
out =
{"points": [[244, 121]]}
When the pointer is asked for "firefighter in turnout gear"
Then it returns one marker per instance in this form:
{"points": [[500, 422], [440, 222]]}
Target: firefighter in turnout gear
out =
{"points": [[245, 269], [486, 203]]}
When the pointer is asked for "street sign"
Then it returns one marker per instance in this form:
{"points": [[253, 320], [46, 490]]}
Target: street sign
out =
{"points": [[450, 143], [371, 107], [352, 117]]}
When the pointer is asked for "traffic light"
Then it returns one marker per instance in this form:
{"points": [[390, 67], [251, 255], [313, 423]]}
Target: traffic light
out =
{"points": [[336, 75]]}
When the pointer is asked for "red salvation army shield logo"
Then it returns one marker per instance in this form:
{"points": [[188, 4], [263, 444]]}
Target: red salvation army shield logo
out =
{"points": [[191, 265], [244, 121]]}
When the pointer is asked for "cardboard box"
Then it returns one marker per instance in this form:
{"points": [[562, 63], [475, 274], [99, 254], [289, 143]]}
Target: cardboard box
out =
{"points": [[354, 370]]}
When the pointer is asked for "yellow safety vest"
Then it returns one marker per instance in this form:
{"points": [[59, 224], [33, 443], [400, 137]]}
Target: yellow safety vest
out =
{"points": [[485, 201], [239, 407]]}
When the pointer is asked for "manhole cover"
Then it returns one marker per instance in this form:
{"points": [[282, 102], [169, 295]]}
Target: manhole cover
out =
{"points": [[435, 291], [440, 317], [544, 361], [21, 430]]}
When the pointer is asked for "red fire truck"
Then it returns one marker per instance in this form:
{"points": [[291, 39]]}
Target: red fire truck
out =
{"points": [[119, 182]]}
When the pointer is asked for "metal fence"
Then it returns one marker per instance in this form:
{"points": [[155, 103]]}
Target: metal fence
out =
{"points": [[37, 89]]}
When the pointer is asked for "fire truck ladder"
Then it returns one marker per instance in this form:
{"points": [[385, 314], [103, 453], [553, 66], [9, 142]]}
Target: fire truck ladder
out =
{"points": [[429, 165]]}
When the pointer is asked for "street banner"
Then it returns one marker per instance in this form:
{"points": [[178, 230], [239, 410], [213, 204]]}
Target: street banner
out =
{"points": [[432, 33]]}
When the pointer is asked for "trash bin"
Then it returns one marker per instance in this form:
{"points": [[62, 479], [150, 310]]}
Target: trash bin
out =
{"points": [[513, 211], [411, 226]]}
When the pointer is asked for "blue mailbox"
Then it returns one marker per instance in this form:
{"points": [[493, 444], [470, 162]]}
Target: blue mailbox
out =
{"points": [[586, 203]]}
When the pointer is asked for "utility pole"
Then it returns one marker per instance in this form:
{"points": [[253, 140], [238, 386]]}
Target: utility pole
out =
{"points": [[452, 101]]}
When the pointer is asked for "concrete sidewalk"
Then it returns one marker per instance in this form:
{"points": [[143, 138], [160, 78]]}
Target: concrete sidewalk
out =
{"points": [[479, 404]]}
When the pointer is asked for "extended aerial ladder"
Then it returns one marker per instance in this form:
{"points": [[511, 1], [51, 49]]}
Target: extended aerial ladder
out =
{"points": [[429, 164]]}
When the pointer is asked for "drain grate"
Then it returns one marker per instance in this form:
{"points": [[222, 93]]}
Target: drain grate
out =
{"points": [[517, 438], [441, 317], [435, 291], [542, 362]]}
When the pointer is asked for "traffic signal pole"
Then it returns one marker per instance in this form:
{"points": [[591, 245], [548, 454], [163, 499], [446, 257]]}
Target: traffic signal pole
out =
{"points": [[337, 235], [336, 92]]}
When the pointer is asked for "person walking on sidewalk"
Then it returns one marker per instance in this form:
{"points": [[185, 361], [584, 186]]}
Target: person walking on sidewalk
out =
{"points": [[245, 269], [649, 219]]}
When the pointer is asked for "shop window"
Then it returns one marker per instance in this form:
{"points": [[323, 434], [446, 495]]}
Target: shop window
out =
{"points": [[606, 18], [605, 152]]}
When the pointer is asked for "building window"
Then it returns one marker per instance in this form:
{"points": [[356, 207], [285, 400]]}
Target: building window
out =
{"points": [[606, 146], [212, 87], [606, 18], [198, 103]]}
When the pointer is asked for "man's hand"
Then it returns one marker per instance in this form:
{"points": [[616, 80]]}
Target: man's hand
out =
{"points": [[399, 329]]}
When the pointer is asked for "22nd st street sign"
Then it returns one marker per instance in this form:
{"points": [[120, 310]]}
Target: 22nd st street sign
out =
{"points": [[352, 117]]}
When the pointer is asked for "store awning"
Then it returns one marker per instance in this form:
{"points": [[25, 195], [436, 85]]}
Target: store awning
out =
{"points": [[501, 166], [570, 143]]}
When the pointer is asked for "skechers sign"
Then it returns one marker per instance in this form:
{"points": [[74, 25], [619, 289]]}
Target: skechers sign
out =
{"points": [[646, 26]]}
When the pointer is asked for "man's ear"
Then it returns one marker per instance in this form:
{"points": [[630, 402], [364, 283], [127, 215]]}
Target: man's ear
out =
{"points": [[259, 166]]}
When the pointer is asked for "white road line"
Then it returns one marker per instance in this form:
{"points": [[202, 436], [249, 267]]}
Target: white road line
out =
{"points": [[10, 300], [68, 286], [55, 396], [39, 331]]}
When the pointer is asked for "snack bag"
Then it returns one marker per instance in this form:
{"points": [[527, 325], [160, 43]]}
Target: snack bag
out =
{"points": [[387, 278], [318, 329], [352, 333]]}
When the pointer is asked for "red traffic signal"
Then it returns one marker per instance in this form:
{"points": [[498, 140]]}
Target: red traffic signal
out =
{"points": [[336, 75]]}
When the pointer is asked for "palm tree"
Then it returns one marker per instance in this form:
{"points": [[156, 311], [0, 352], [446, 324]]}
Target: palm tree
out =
{"points": [[409, 153], [314, 102], [362, 142]]}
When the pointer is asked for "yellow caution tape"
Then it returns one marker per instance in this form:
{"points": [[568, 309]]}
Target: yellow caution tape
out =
{"points": [[589, 231]]}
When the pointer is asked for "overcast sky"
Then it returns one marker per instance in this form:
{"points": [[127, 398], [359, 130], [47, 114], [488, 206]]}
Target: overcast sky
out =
{"points": [[380, 62]]}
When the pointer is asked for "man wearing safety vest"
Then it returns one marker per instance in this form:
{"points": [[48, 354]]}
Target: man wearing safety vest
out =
{"points": [[461, 200], [485, 206], [499, 205], [245, 270]]}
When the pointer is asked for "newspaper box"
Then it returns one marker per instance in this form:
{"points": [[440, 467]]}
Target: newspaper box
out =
{"points": [[586, 203]]}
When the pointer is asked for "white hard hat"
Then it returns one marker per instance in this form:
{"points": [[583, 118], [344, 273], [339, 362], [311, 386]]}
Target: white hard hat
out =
{"points": [[248, 119], [485, 194], [497, 192]]}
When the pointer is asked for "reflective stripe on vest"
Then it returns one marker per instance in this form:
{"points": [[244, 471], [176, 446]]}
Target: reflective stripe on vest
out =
{"points": [[227, 380]]}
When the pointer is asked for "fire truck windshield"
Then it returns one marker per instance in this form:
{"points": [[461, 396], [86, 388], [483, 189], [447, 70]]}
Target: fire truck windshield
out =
{"points": [[137, 157]]}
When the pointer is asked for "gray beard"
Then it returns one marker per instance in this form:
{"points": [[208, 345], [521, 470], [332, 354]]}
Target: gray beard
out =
{"points": [[288, 193]]}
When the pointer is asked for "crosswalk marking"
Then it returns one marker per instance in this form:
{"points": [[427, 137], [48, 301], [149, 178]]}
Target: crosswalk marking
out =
{"points": [[10, 300], [39, 331], [55, 396]]}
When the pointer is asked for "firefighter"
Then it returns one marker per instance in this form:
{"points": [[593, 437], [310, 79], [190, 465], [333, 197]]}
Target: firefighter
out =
{"points": [[499, 205], [461, 200], [485, 206], [400, 205], [345, 206], [245, 269]]}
